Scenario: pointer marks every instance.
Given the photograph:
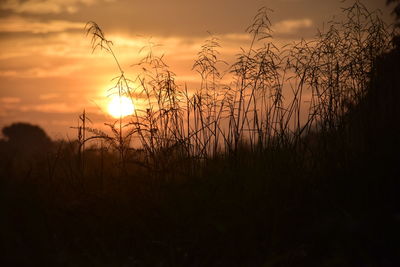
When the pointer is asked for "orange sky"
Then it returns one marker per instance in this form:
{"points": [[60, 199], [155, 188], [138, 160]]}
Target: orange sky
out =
{"points": [[48, 73]]}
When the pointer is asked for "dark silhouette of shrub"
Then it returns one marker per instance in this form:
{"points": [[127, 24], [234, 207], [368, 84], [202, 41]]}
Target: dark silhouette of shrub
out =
{"points": [[396, 10], [396, 13], [25, 138]]}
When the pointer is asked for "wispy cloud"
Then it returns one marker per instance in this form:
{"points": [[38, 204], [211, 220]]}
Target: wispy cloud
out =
{"points": [[60, 107], [40, 72], [17, 24], [48, 96], [291, 26], [44, 6], [10, 100]]}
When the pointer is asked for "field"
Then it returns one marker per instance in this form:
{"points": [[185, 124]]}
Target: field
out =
{"points": [[287, 157]]}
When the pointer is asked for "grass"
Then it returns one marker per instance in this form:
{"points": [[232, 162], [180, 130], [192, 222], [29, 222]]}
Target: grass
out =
{"points": [[219, 115], [229, 173]]}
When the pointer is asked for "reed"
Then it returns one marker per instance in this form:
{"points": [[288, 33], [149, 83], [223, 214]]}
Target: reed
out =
{"points": [[252, 109]]}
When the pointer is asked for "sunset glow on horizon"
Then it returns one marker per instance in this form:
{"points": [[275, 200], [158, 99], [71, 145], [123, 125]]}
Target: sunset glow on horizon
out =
{"points": [[199, 133], [48, 71]]}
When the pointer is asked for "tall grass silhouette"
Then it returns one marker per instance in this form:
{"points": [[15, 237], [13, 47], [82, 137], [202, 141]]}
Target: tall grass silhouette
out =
{"points": [[322, 78], [286, 157]]}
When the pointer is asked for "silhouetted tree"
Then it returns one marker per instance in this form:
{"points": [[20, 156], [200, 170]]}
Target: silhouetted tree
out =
{"points": [[25, 138]]}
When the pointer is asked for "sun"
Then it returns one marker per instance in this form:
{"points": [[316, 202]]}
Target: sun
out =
{"points": [[120, 106]]}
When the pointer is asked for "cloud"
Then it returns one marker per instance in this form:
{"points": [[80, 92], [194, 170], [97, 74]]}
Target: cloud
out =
{"points": [[15, 24], [291, 26], [10, 100], [60, 107], [8, 73], [6, 104], [48, 96], [236, 37], [41, 72], [44, 6]]}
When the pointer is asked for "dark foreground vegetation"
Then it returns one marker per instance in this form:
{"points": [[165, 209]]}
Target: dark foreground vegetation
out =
{"points": [[253, 191]]}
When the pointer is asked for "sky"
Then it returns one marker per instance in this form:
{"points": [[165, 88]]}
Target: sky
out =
{"points": [[48, 73]]}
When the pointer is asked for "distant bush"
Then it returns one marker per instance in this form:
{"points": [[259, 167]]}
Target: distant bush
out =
{"points": [[26, 138]]}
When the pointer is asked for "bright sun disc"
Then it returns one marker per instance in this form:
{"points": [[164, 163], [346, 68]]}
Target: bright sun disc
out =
{"points": [[120, 106]]}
